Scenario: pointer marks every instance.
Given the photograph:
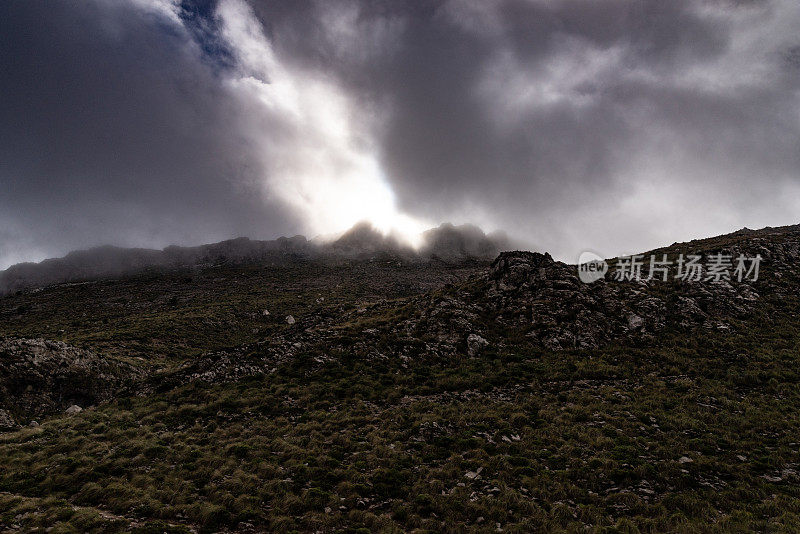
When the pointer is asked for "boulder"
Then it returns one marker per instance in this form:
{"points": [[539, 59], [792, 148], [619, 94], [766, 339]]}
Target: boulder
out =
{"points": [[74, 409], [6, 421], [475, 344]]}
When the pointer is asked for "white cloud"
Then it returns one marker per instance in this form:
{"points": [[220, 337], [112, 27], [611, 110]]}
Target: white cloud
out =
{"points": [[316, 143]]}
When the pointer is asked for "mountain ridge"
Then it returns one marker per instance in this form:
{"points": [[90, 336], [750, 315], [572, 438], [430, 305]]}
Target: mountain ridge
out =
{"points": [[447, 242]]}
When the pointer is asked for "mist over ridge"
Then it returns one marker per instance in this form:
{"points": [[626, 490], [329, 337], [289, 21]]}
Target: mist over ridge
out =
{"points": [[446, 243]]}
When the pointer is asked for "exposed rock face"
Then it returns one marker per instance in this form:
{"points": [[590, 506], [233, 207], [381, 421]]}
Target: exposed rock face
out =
{"points": [[6, 421], [40, 377], [450, 242], [362, 241], [475, 344], [548, 301], [544, 300], [515, 269], [224, 366]]}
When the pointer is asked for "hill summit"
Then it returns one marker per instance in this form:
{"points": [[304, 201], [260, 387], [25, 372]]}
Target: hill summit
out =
{"points": [[446, 243]]}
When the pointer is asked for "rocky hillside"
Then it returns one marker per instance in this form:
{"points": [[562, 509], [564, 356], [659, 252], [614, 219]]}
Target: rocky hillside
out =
{"points": [[544, 300], [39, 377], [391, 395], [520, 297]]}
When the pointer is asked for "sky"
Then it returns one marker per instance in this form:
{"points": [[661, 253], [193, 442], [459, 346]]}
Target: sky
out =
{"points": [[613, 126]]}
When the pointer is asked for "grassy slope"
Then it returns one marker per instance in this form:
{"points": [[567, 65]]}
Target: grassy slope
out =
{"points": [[691, 434], [166, 318]]}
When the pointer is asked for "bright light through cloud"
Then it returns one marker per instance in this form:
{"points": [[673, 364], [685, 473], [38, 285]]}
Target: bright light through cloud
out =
{"points": [[195, 121], [321, 163]]}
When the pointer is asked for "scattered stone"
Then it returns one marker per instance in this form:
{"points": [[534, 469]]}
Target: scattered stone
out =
{"points": [[475, 344], [265, 313], [685, 460], [474, 475], [290, 319], [74, 409], [635, 322], [6, 421], [33, 424]]}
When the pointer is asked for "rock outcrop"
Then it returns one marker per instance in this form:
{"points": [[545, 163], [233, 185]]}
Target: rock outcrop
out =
{"points": [[43, 377], [6, 421], [545, 301]]}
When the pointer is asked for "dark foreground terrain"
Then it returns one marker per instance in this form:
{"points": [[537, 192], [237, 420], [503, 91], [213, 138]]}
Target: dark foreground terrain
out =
{"points": [[382, 395]]}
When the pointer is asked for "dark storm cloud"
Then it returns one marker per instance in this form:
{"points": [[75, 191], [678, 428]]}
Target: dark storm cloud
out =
{"points": [[543, 115], [114, 127], [616, 125]]}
